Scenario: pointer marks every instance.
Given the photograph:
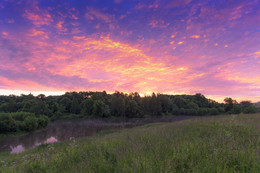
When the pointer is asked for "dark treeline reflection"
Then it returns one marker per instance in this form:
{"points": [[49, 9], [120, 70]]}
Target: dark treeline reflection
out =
{"points": [[54, 132], [63, 130], [101, 104]]}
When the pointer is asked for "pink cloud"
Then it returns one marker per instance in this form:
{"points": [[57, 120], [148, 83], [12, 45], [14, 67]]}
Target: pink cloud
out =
{"points": [[96, 14], [38, 19]]}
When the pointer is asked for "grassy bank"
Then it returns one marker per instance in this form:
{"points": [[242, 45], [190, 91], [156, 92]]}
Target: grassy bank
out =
{"points": [[228, 143]]}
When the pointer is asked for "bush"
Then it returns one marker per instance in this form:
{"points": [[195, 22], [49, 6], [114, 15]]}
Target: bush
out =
{"points": [[214, 111], [203, 111], [43, 121], [24, 121], [175, 111], [250, 109], [221, 109], [20, 116], [7, 123], [236, 109], [56, 115], [30, 123], [99, 108], [191, 112], [182, 111]]}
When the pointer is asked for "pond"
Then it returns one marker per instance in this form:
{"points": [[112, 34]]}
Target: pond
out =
{"points": [[63, 130]]}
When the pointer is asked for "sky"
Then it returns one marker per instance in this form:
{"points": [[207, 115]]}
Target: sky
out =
{"points": [[173, 47]]}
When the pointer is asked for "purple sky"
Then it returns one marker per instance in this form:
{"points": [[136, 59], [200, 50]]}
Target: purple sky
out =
{"points": [[175, 47]]}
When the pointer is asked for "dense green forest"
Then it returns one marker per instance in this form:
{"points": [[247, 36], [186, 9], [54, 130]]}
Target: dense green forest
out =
{"points": [[28, 112]]}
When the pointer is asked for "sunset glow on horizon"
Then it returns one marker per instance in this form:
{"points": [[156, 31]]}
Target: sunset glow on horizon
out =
{"points": [[172, 47]]}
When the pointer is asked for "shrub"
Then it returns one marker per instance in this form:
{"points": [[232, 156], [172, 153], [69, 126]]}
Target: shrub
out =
{"points": [[203, 111], [20, 116], [43, 121], [7, 123], [99, 108], [191, 112], [250, 109], [192, 105], [30, 123], [214, 111], [236, 109], [182, 111], [175, 111]]}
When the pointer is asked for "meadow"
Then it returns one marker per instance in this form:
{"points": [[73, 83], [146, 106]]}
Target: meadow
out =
{"points": [[224, 143]]}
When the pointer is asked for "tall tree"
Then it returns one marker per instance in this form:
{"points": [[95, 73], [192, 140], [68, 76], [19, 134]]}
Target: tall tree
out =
{"points": [[99, 108]]}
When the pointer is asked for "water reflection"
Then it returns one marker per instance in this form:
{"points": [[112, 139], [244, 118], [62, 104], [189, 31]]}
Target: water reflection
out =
{"points": [[67, 130], [54, 132], [17, 149], [20, 148], [51, 140]]}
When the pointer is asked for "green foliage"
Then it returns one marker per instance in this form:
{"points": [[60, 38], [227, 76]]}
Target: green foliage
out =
{"points": [[132, 109], [203, 111], [21, 121], [8, 107], [182, 111], [75, 106], [7, 123], [118, 104], [245, 104], [99, 108], [155, 105], [191, 112], [165, 103], [66, 103], [107, 111], [180, 101], [30, 123], [250, 109], [43, 121], [214, 111], [20, 116], [236, 109], [174, 109], [229, 104], [87, 106], [192, 105]]}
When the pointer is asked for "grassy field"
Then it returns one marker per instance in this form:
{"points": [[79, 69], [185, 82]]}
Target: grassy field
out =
{"points": [[226, 143]]}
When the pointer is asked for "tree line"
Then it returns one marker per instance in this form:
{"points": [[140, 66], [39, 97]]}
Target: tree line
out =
{"points": [[118, 104]]}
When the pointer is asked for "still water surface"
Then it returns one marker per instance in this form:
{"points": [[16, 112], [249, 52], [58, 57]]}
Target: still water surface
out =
{"points": [[70, 129]]}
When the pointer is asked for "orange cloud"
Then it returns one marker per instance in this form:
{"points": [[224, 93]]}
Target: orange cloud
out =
{"points": [[60, 27], [195, 36], [35, 32], [38, 19], [257, 54]]}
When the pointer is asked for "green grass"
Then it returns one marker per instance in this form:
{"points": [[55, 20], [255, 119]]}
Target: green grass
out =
{"points": [[228, 143]]}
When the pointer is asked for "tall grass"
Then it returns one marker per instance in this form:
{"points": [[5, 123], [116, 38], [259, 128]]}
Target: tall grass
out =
{"points": [[211, 144]]}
